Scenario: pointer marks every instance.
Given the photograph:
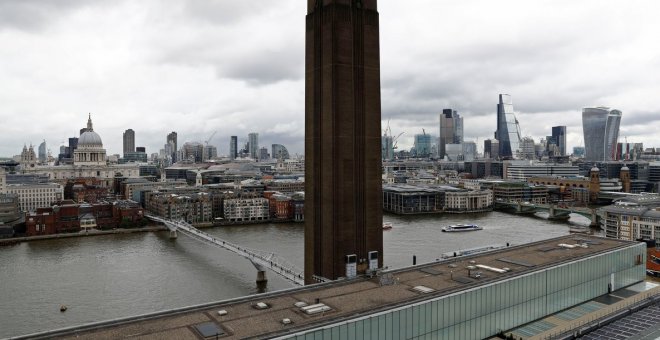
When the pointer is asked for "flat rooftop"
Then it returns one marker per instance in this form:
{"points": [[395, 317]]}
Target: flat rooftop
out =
{"points": [[347, 299]]}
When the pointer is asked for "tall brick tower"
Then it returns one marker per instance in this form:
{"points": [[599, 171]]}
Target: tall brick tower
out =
{"points": [[343, 195]]}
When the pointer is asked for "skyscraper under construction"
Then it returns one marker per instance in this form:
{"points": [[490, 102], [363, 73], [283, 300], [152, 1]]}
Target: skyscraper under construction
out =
{"points": [[343, 209]]}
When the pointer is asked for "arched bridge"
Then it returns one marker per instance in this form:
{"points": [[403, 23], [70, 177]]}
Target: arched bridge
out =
{"points": [[554, 211], [261, 260]]}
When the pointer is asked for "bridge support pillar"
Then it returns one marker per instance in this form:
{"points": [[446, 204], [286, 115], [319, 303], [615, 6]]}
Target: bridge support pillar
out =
{"points": [[553, 214], [594, 220], [173, 234], [261, 276]]}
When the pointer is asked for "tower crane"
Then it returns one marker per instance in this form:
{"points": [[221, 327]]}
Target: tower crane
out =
{"points": [[206, 142]]}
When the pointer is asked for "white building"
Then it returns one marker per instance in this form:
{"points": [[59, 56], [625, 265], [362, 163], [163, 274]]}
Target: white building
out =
{"points": [[631, 222], [90, 149], [33, 196], [522, 170], [246, 209], [468, 201]]}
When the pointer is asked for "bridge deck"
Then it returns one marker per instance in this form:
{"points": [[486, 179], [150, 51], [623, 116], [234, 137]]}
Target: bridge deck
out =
{"points": [[261, 260], [348, 299]]}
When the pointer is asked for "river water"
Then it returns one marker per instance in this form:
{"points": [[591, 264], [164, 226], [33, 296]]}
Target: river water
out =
{"points": [[112, 276]]}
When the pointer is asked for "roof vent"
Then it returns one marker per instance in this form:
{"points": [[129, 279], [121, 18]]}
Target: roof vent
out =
{"points": [[286, 321], [261, 305], [300, 304], [423, 289], [222, 312], [315, 308]]}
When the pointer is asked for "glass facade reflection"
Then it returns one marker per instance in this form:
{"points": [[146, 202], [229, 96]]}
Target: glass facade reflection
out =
{"points": [[601, 133], [484, 311], [508, 129]]}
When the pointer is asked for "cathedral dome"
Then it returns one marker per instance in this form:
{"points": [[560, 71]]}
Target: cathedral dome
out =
{"points": [[90, 138]]}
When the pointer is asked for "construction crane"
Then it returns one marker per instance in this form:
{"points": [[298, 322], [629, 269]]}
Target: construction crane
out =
{"points": [[394, 141], [206, 142]]}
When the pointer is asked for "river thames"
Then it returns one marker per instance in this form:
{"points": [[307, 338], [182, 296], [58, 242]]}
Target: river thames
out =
{"points": [[112, 276]]}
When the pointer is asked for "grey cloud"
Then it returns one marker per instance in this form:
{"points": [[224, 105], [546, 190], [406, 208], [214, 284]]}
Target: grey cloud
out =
{"points": [[33, 15], [264, 67], [223, 12]]}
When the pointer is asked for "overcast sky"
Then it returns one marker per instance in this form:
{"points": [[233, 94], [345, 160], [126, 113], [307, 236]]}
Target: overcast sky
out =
{"points": [[235, 67]]}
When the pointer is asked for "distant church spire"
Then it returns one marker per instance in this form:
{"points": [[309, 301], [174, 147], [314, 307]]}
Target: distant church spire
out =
{"points": [[89, 123]]}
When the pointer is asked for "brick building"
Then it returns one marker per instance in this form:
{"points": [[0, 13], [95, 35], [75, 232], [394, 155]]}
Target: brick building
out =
{"points": [[68, 217], [89, 190]]}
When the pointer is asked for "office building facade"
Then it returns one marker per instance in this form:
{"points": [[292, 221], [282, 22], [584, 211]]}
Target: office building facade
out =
{"points": [[601, 133], [451, 130], [491, 148], [508, 129], [233, 147], [343, 212], [172, 142], [129, 141], [280, 152], [559, 138], [43, 153], [387, 145], [422, 147], [253, 145]]}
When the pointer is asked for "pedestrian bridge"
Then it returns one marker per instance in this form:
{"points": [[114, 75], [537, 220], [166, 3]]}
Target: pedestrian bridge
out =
{"points": [[260, 260]]}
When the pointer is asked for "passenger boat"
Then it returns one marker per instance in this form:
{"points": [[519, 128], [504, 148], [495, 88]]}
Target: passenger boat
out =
{"points": [[461, 227], [387, 225]]}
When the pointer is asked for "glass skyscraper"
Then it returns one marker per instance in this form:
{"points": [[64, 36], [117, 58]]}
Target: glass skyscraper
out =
{"points": [[451, 130], [601, 133], [508, 129], [253, 145], [422, 145], [233, 147], [559, 136]]}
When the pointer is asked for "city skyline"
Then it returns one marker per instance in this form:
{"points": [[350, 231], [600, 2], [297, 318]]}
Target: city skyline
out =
{"points": [[154, 76]]}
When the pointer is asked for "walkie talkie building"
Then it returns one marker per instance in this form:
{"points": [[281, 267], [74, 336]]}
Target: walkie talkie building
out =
{"points": [[601, 133]]}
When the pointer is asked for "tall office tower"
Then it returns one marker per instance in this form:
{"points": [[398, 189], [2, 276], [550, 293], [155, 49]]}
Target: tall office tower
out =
{"points": [[527, 148], [387, 146], [253, 145], [469, 151], [43, 156], [73, 145], [422, 147], [559, 137], [601, 133], [210, 152], [263, 154], [343, 194], [233, 147], [491, 148], [171, 139], [508, 129], [451, 130], [129, 141]]}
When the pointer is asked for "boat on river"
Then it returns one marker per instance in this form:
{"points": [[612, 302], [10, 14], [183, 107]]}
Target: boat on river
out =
{"points": [[461, 227], [387, 225]]}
